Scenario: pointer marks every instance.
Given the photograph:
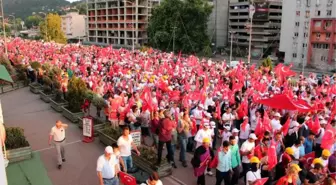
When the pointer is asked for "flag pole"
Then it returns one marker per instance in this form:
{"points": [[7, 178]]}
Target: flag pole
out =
{"points": [[251, 13], [4, 28]]}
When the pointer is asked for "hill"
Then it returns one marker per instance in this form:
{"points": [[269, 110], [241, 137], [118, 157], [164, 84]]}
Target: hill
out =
{"points": [[25, 8]]}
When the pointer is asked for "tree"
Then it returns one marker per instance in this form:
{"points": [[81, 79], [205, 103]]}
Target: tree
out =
{"points": [[183, 22], [268, 63], [51, 29], [33, 20]]}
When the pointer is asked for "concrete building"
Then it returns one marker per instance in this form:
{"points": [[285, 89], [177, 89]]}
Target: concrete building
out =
{"points": [[73, 25], [266, 26], [218, 23], [122, 23], [307, 32], [322, 43]]}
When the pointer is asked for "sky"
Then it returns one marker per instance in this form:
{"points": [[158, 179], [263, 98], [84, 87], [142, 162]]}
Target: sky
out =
{"points": [[72, 0]]}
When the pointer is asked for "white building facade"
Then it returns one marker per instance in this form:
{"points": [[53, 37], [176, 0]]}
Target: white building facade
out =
{"points": [[296, 27], [73, 25]]}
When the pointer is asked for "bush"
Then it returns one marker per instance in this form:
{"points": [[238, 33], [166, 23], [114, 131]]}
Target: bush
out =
{"points": [[15, 138], [58, 96], [47, 81], [268, 63], [89, 95], [21, 71], [46, 67], [76, 94], [4, 61], [113, 133], [98, 101], [47, 90], [35, 65]]}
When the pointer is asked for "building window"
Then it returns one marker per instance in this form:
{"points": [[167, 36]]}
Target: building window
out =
{"points": [[328, 24], [328, 12], [294, 55], [323, 58], [317, 13], [318, 35], [296, 34], [305, 35], [297, 13], [297, 24], [303, 55], [306, 24], [307, 13]]}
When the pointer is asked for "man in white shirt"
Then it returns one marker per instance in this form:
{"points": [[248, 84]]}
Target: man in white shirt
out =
{"points": [[125, 143], [57, 135], [205, 132], [276, 126], [226, 134], [198, 115], [296, 148], [246, 150], [244, 132], [319, 136], [228, 117], [107, 168]]}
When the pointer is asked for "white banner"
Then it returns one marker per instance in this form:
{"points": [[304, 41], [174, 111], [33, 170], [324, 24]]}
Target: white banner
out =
{"points": [[87, 127], [136, 136]]}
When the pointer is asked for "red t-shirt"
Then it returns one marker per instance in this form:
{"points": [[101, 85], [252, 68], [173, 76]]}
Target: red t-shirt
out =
{"points": [[165, 129]]}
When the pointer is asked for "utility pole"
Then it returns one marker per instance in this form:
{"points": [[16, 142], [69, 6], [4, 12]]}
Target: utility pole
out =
{"points": [[174, 38], [4, 28], [232, 33]]}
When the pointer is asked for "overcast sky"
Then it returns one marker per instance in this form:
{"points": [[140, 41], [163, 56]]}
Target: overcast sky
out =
{"points": [[72, 0]]}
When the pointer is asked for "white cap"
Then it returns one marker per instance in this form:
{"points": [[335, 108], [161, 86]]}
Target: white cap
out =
{"points": [[212, 123], [207, 115], [109, 150], [227, 127], [206, 124], [295, 124], [235, 130], [320, 117], [253, 136], [323, 122], [277, 115], [245, 117], [201, 106]]}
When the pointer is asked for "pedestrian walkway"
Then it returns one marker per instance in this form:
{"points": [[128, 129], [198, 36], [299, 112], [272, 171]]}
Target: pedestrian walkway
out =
{"points": [[30, 172]]}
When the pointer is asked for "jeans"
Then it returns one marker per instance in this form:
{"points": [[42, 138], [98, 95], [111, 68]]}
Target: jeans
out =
{"points": [[191, 144], [235, 175], [246, 168], [214, 141], [170, 155], [113, 181], [128, 161], [220, 176], [183, 148]]}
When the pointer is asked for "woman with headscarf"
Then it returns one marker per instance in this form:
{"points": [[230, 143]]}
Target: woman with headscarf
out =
{"points": [[202, 157]]}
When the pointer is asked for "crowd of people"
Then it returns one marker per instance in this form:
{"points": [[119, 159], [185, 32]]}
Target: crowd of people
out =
{"points": [[207, 108]]}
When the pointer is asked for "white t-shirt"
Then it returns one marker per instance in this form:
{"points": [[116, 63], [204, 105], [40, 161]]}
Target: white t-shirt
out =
{"points": [[246, 146], [252, 176], [198, 114], [57, 133], [201, 134], [296, 152], [244, 134], [226, 136], [125, 146], [276, 125], [318, 140], [107, 167], [227, 116]]}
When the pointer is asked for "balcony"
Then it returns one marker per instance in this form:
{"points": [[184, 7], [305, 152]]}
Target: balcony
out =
{"points": [[238, 10], [240, 17]]}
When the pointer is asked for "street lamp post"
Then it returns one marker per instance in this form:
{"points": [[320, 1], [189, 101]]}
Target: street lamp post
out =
{"points": [[232, 33], [4, 28], [251, 13]]}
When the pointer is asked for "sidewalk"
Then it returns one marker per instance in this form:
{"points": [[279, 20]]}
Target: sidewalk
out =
{"points": [[30, 172]]}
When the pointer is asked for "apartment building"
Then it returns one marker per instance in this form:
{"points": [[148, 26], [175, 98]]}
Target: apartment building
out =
{"points": [[73, 25], [266, 25], [121, 23], [308, 33], [218, 23]]}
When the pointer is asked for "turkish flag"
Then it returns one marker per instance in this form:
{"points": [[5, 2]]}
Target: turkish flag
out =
{"points": [[333, 175], [308, 159], [243, 125], [328, 137], [261, 181], [127, 179], [146, 98], [272, 156], [314, 126], [285, 127]]}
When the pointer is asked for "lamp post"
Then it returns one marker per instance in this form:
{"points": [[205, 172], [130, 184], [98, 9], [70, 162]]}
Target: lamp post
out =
{"points": [[4, 28], [232, 33], [133, 27], [15, 28], [251, 13]]}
